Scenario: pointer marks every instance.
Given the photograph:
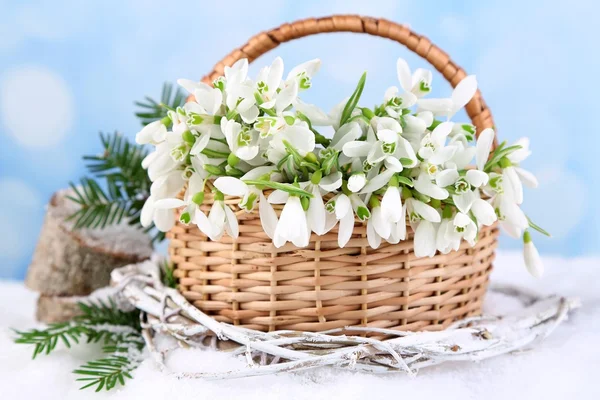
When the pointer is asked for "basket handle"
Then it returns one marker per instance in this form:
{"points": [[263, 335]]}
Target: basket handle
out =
{"points": [[477, 110]]}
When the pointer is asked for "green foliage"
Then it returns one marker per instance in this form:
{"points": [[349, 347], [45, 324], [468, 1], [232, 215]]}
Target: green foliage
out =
{"points": [[100, 322], [353, 100], [126, 185], [151, 110], [168, 278]]}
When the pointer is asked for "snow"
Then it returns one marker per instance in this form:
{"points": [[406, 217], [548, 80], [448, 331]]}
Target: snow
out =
{"points": [[562, 366]]}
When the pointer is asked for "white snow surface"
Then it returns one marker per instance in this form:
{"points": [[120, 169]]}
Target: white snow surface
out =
{"points": [[565, 365]]}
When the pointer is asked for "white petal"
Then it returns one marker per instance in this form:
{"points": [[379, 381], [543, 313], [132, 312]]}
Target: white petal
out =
{"points": [[231, 224], [484, 212], [381, 225], [484, 146], [527, 178], [464, 92], [464, 201], [168, 204], [309, 67], [442, 107], [286, 97], [200, 144], [164, 219], [345, 229], [250, 115], [425, 238], [356, 182], [428, 188], [345, 134], [356, 149], [425, 210], [477, 178], [446, 177], [278, 197], [442, 155], [343, 206], [391, 204], [521, 154], [147, 213], [201, 220], [231, 186], [316, 212], [393, 164], [441, 132], [268, 217], [404, 75], [331, 182], [316, 116], [513, 188], [533, 262], [378, 182], [372, 237]]}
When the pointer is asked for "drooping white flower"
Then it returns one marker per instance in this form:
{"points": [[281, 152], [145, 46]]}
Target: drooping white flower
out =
{"points": [[413, 86], [465, 228], [483, 212], [433, 145], [242, 141], [220, 219], [378, 227], [391, 204], [425, 186], [462, 94], [341, 207], [446, 239], [425, 239], [357, 181], [292, 225], [155, 132], [302, 74], [532, 258]]}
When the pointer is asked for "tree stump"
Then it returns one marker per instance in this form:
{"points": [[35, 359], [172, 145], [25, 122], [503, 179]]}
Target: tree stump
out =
{"points": [[71, 262]]}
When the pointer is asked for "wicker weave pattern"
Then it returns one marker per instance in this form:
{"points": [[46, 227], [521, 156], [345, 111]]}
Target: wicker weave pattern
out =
{"points": [[251, 283]]}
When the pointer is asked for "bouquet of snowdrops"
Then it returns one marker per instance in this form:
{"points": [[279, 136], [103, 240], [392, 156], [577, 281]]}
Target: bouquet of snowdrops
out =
{"points": [[382, 165]]}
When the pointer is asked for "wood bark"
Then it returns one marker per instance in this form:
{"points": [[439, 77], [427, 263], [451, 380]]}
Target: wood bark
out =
{"points": [[74, 262]]}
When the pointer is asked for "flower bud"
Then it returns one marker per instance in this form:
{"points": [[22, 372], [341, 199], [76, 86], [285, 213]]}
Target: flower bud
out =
{"points": [[357, 181], [533, 262]]}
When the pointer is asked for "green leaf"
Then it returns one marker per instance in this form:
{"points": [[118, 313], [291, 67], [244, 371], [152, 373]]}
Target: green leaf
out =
{"points": [[405, 180], [151, 110], [286, 187], [353, 100], [538, 228], [498, 154]]}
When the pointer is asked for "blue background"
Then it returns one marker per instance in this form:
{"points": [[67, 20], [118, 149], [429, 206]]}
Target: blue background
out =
{"points": [[69, 69]]}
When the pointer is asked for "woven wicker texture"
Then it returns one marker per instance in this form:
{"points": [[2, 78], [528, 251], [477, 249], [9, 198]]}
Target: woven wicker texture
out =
{"points": [[250, 282]]}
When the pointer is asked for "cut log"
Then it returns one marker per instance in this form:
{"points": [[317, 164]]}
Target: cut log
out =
{"points": [[75, 262], [52, 309]]}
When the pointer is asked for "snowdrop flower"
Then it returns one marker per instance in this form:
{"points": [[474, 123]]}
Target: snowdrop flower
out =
{"points": [[433, 146], [446, 240], [220, 219], [155, 132], [267, 83], [533, 262], [292, 225], [357, 181], [298, 136], [302, 74], [391, 202], [413, 87], [341, 207], [464, 228], [378, 226], [242, 141], [461, 95], [425, 186], [423, 218]]}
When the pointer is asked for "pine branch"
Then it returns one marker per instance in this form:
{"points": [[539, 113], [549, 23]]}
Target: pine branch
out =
{"points": [[151, 110], [107, 372], [119, 331]]}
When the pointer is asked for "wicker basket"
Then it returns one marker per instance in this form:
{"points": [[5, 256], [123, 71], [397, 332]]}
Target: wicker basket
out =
{"points": [[251, 283]]}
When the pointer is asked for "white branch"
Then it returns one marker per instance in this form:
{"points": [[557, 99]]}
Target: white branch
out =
{"points": [[473, 339]]}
